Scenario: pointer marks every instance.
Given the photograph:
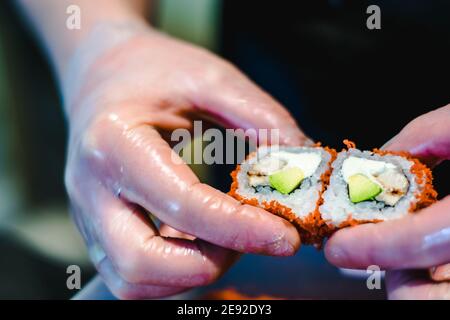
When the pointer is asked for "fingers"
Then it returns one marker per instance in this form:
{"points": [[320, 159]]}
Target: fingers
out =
{"points": [[154, 177], [124, 290], [427, 137], [416, 241], [415, 285], [140, 256], [440, 273], [236, 102]]}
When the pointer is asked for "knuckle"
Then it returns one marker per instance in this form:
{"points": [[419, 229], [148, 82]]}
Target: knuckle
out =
{"points": [[97, 140], [217, 72], [86, 151], [93, 138]]}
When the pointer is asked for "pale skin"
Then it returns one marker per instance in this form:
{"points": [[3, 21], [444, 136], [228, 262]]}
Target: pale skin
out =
{"points": [[124, 85], [409, 248]]}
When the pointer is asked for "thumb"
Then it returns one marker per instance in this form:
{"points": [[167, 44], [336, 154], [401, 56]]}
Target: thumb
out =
{"points": [[426, 137]]}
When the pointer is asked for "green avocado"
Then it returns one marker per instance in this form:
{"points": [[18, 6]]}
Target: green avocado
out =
{"points": [[285, 181], [361, 188]]}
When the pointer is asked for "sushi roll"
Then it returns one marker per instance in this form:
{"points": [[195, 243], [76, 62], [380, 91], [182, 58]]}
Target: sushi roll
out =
{"points": [[374, 186], [288, 182]]}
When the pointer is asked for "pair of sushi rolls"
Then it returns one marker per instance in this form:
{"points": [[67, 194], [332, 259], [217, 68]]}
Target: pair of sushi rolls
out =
{"points": [[374, 186], [320, 191], [289, 182]]}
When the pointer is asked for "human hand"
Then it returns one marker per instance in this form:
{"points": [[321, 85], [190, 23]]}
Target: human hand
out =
{"points": [[418, 241], [121, 98]]}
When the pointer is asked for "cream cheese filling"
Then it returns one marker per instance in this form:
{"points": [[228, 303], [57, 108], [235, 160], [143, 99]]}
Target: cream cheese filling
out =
{"points": [[308, 162]]}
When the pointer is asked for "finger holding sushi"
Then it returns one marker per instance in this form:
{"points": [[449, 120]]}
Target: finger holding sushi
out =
{"points": [[150, 177], [418, 241], [133, 257], [120, 168], [426, 137]]}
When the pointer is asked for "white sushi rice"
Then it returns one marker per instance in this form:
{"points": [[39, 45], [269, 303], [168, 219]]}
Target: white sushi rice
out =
{"points": [[303, 200], [338, 208]]}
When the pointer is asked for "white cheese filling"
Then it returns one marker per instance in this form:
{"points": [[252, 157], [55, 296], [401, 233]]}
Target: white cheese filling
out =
{"points": [[308, 162], [369, 168]]}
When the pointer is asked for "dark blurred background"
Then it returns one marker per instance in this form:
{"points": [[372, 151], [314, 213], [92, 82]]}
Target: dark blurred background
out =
{"points": [[37, 239], [339, 79]]}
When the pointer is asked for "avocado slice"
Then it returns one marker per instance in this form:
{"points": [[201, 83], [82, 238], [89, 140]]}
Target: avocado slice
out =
{"points": [[361, 188], [285, 181]]}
